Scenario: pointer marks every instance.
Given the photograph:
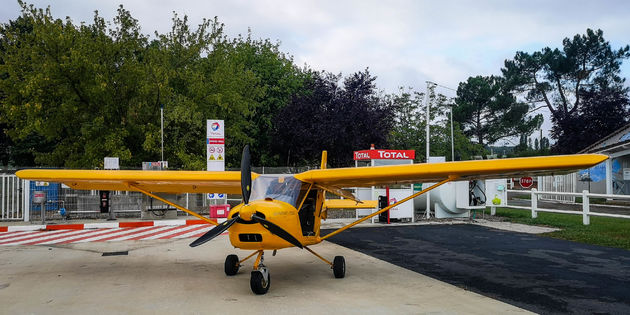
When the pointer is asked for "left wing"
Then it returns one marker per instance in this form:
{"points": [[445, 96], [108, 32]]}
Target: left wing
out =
{"points": [[435, 172], [154, 181]]}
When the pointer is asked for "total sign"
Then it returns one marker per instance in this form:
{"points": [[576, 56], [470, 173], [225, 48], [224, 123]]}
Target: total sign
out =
{"points": [[215, 145], [215, 149], [385, 155]]}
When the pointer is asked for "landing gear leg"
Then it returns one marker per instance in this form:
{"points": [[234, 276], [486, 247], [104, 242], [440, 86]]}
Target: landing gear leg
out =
{"points": [[338, 265], [260, 280]]}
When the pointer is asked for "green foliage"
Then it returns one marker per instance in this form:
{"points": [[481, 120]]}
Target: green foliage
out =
{"points": [[73, 94], [331, 116], [558, 79], [489, 113], [409, 132], [602, 231]]}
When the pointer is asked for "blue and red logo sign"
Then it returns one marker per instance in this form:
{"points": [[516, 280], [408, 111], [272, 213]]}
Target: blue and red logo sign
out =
{"points": [[215, 126]]}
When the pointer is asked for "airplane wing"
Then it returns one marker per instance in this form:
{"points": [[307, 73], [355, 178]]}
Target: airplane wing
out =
{"points": [[154, 181], [435, 172]]}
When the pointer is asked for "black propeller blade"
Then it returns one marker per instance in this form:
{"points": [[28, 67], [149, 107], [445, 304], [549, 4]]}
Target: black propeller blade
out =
{"points": [[277, 231], [217, 230], [246, 175]]}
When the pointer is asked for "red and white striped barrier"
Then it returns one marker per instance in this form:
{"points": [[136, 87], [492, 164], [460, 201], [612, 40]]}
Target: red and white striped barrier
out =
{"points": [[68, 236], [102, 225]]}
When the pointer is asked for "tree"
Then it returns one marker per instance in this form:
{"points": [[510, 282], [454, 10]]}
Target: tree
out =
{"points": [[557, 78], [278, 79], [409, 131], [603, 110], [73, 94], [333, 117], [73, 86], [489, 113]]}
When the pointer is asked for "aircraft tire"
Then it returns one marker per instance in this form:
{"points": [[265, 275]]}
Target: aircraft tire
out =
{"points": [[258, 284], [339, 267], [231, 265]]}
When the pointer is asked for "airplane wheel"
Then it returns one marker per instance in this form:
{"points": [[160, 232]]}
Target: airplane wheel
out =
{"points": [[231, 265], [339, 267], [258, 283]]}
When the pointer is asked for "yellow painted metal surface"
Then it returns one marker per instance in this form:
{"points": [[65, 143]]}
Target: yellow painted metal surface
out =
{"points": [[155, 181], [418, 173], [277, 212], [350, 204]]}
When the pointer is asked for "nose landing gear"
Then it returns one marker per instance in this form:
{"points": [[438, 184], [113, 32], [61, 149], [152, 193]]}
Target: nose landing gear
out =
{"points": [[260, 280]]}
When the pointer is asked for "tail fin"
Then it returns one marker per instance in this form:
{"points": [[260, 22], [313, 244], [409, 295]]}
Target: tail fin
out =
{"points": [[324, 159]]}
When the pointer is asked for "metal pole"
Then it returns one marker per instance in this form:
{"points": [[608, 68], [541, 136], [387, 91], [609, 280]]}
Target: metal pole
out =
{"points": [[42, 207], [428, 118], [428, 123], [162, 130], [452, 141]]}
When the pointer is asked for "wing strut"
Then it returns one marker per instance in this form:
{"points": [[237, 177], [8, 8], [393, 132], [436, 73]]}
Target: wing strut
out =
{"points": [[449, 179], [136, 188]]}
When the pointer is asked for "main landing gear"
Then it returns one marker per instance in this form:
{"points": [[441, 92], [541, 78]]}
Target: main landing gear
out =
{"points": [[260, 280]]}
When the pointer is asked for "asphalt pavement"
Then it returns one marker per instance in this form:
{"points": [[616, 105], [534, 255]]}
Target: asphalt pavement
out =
{"points": [[537, 273]]}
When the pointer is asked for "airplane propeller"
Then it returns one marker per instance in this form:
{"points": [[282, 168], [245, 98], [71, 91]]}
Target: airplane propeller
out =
{"points": [[274, 229], [246, 189]]}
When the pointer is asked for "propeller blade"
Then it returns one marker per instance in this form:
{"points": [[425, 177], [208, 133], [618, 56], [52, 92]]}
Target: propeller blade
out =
{"points": [[246, 175], [217, 230], [277, 231]]}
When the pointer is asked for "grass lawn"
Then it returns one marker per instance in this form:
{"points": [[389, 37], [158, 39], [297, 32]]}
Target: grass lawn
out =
{"points": [[602, 231]]}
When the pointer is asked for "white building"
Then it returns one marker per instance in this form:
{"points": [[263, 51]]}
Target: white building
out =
{"points": [[613, 175]]}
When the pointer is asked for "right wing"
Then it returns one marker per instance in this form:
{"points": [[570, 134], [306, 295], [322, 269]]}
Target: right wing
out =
{"points": [[462, 170]]}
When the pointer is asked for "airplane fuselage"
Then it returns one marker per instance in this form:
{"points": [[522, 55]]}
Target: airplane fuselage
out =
{"points": [[246, 234]]}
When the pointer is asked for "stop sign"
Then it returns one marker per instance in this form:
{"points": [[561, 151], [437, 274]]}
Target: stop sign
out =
{"points": [[526, 182]]}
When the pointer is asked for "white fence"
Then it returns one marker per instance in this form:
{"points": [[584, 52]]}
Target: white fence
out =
{"points": [[558, 183], [13, 203], [586, 211]]}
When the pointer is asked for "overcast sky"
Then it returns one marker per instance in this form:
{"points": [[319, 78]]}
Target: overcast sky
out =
{"points": [[404, 43]]}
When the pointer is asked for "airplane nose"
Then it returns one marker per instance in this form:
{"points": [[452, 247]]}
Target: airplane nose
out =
{"points": [[246, 212]]}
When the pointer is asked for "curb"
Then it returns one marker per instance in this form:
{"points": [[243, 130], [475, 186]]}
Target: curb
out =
{"points": [[103, 225]]}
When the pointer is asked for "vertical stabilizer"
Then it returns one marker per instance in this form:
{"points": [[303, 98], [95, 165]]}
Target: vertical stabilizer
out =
{"points": [[324, 159]]}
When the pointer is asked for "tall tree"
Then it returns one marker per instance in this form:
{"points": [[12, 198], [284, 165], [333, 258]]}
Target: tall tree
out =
{"points": [[488, 112], [73, 94], [557, 78], [409, 131], [603, 110], [333, 117]]}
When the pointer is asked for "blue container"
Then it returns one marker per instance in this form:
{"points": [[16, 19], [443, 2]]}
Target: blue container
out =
{"points": [[52, 195]]}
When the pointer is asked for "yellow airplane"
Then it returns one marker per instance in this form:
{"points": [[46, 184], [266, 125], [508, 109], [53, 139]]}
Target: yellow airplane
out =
{"points": [[280, 211]]}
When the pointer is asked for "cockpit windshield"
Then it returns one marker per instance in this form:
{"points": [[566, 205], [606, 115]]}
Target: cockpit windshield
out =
{"points": [[278, 187]]}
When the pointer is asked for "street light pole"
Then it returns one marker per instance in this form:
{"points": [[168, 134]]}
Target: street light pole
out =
{"points": [[428, 123], [162, 131]]}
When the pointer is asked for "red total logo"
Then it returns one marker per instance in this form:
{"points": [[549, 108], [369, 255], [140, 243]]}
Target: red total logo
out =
{"points": [[526, 182], [385, 155]]}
